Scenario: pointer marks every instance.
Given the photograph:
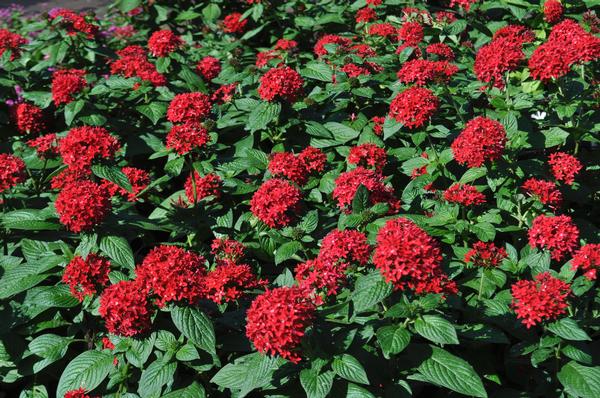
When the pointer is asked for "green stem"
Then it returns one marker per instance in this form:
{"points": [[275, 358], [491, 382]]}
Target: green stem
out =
{"points": [[480, 285]]}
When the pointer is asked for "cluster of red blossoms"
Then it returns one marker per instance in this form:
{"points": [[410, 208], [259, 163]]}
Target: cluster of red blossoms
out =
{"points": [[557, 234], [209, 68], [414, 106], [348, 183], [28, 118], [11, 42], [126, 309], [587, 259], [281, 83], [422, 71], [83, 145], [189, 107], [482, 140], [133, 62], [281, 48], [138, 179], [81, 205], [66, 83], [184, 138], [12, 171], [564, 167], [368, 155], [545, 191], [74, 23], [486, 255], [80, 393], [297, 168], [198, 188], [163, 42], [464, 194], [543, 299], [553, 11], [86, 276], [276, 202], [233, 23]]}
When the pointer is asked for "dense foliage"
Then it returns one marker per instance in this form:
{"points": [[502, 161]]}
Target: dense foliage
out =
{"points": [[301, 198]]}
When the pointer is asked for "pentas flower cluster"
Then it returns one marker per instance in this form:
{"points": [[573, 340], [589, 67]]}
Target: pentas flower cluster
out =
{"points": [[277, 320], [233, 23], [11, 42], [86, 276], [163, 42], [281, 83], [545, 191], [126, 309], [564, 167], [297, 168], [557, 234], [342, 44], [82, 205], [414, 107], [80, 393], [464, 194], [83, 145], [465, 4], [189, 107], [184, 138], [276, 202], [281, 48], [209, 68], [229, 282], [422, 71], [567, 45], [368, 156], [348, 183], [74, 23], [410, 259], [139, 180], [227, 251], [29, 119], [198, 188], [485, 254], [587, 259], [383, 30], [12, 171], [441, 50], [46, 146], [481, 141], [539, 300], [133, 62], [553, 11], [66, 83], [410, 34]]}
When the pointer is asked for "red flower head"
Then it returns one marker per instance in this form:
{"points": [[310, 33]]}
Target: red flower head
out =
{"points": [[189, 107], [422, 71], [163, 42], [346, 246], [29, 119], [209, 185], [353, 70], [184, 138], [445, 17], [486, 255], [74, 22], [378, 122], [209, 68], [374, 2], [411, 34], [342, 43], [464, 194], [227, 251], [564, 167], [46, 146], [543, 299], [368, 155], [233, 23], [382, 29], [224, 93], [126, 309], [588, 260], [82, 205], [172, 275], [557, 234], [12, 171], [86, 276], [134, 63], [285, 44], [70, 176], [410, 259], [277, 319], [553, 11], [365, 14], [314, 159], [138, 178], [466, 4], [517, 34], [263, 58], [481, 141], [275, 202], [228, 282], [280, 83], [80, 393], [493, 60], [66, 83], [347, 184], [545, 191], [84, 144], [320, 274], [443, 51], [414, 106], [286, 164], [11, 42]]}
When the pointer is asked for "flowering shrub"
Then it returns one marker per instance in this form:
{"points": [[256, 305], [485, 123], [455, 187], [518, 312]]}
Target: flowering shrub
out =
{"points": [[287, 198]]}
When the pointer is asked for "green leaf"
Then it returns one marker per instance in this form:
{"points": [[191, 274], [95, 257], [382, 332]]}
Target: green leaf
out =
{"points": [[28, 219], [317, 71], [194, 390], [287, 251], [568, 329], [392, 339], [153, 111], [436, 329], [118, 250], [128, 5], [112, 174], [87, 370], [369, 290], [473, 174], [50, 347], [72, 109], [360, 202], [196, 326], [155, 376], [348, 367], [355, 391], [485, 231], [579, 380], [262, 115], [211, 12], [555, 136], [341, 133], [451, 372], [316, 385]]}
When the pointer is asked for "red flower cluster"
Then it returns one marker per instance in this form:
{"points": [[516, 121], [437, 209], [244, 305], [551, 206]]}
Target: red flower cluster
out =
{"points": [[74, 22], [228, 282], [313, 158], [138, 178], [275, 202], [466, 4], [172, 275], [189, 107], [422, 71], [553, 11], [347, 184], [543, 299], [414, 107], [443, 51], [209, 68], [164, 42], [227, 251], [410, 259], [209, 185], [184, 138], [365, 14], [11, 42], [84, 144], [481, 141], [378, 122], [66, 83], [224, 93], [293, 167], [70, 176], [133, 62], [411, 34], [320, 275], [12, 171], [486, 255], [281, 83], [348, 246], [545, 191], [46, 146], [86, 276], [342, 44], [564, 167], [495, 59], [81, 205], [353, 70], [286, 44], [277, 319], [233, 23], [557, 234], [126, 309], [382, 29], [28, 118], [587, 259], [464, 194], [567, 45], [80, 393], [368, 155]]}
